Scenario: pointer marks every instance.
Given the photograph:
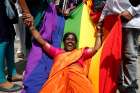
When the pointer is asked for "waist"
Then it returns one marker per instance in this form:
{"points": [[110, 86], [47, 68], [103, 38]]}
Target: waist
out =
{"points": [[133, 23], [76, 67]]}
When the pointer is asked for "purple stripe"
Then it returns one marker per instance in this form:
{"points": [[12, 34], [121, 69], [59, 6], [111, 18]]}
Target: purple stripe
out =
{"points": [[47, 28]]}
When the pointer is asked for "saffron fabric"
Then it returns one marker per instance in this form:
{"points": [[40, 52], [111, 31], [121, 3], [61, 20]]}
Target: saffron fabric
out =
{"points": [[100, 71], [67, 75]]}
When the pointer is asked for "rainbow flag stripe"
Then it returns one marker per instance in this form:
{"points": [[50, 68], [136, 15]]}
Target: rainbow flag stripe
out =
{"points": [[107, 60]]}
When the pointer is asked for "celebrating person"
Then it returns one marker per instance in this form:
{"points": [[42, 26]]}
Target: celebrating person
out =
{"points": [[7, 34], [69, 70]]}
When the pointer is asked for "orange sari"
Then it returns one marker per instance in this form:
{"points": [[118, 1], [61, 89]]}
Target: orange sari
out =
{"points": [[67, 76]]}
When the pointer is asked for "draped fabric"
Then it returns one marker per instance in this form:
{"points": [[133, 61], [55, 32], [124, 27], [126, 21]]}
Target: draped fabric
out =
{"points": [[105, 68], [105, 65], [67, 76], [110, 58], [38, 62], [79, 22]]}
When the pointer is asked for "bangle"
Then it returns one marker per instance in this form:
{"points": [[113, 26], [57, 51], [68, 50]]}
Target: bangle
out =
{"points": [[99, 34], [32, 28], [99, 25]]}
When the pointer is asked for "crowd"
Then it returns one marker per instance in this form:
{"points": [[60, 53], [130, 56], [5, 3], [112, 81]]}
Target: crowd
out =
{"points": [[62, 70]]}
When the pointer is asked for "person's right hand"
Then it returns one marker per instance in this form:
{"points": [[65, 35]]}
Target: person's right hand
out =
{"points": [[99, 27], [127, 15]]}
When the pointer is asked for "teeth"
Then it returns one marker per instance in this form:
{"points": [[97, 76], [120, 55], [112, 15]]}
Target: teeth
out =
{"points": [[69, 43]]}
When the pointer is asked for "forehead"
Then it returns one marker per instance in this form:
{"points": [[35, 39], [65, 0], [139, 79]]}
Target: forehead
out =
{"points": [[70, 36]]}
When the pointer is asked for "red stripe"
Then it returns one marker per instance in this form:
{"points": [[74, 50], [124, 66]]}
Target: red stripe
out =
{"points": [[111, 55]]}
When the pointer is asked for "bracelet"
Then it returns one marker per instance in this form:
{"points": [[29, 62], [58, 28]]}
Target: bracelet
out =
{"points": [[99, 27], [99, 34], [32, 28]]}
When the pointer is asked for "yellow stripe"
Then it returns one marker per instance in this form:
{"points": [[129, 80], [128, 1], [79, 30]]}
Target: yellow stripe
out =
{"points": [[87, 38], [87, 30], [94, 71]]}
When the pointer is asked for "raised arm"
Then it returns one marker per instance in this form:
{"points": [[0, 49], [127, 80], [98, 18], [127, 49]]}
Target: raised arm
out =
{"points": [[97, 45], [131, 12], [26, 13], [23, 6], [134, 10], [39, 39], [99, 27]]}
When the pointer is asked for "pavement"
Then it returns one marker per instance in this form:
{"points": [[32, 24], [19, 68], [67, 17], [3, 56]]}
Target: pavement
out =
{"points": [[20, 66]]}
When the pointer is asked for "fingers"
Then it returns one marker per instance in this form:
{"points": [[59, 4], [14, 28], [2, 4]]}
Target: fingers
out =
{"points": [[27, 19], [26, 15], [28, 22], [126, 14], [85, 1], [99, 27]]}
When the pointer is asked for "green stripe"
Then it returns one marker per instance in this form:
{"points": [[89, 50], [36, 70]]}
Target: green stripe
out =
{"points": [[73, 23]]}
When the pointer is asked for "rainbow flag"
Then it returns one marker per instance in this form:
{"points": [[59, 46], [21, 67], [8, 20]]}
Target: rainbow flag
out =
{"points": [[103, 64], [79, 22], [104, 68]]}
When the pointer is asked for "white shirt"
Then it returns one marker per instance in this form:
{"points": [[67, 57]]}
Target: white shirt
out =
{"points": [[118, 6], [18, 9]]}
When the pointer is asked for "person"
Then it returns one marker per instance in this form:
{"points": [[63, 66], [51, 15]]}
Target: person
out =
{"points": [[130, 16], [68, 73], [20, 33], [68, 5], [7, 34], [98, 5]]}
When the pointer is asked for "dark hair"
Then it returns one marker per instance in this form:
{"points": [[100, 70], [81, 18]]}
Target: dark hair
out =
{"points": [[134, 2], [70, 33]]}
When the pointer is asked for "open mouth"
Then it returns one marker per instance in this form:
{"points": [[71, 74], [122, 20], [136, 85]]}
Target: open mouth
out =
{"points": [[70, 44]]}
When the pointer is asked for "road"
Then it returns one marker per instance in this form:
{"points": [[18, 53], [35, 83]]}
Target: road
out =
{"points": [[20, 65]]}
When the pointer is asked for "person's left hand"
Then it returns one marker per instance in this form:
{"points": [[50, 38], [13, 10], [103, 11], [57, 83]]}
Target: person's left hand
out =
{"points": [[27, 19], [99, 27], [127, 15], [85, 1]]}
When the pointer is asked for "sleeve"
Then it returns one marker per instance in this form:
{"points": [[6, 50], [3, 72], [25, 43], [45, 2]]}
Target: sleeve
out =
{"points": [[87, 54], [104, 11], [52, 51], [134, 10]]}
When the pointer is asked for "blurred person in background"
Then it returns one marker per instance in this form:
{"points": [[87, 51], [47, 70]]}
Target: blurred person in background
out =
{"points": [[129, 10], [20, 33], [7, 35]]}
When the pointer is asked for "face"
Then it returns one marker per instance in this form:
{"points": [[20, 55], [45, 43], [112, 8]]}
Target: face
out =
{"points": [[69, 43]]}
